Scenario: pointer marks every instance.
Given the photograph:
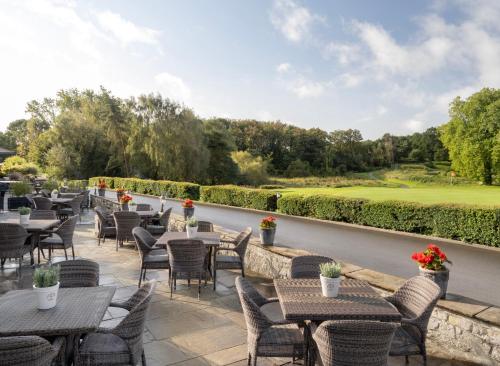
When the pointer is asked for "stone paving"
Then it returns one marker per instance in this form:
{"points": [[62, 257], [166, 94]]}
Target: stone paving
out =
{"points": [[183, 330]]}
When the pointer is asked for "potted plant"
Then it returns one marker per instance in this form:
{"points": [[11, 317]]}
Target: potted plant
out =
{"points": [[188, 208], [54, 194], [132, 206], [124, 200], [267, 230], [431, 265], [101, 185], [119, 193], [191, 227], [330, 278], [24, 215], [19, 190], [46, 285]]}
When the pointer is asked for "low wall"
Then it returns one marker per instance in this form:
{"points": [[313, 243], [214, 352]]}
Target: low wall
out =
{"points": [[468, 330]]}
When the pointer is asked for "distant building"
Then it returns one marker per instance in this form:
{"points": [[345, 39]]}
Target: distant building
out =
{"points": [[4, 154]]}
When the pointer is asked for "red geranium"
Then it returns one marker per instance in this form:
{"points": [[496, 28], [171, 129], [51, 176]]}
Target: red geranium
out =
{"points": [[268, 222], [102, 184], [432, 258], [187, 203], [120, 190], [125, 198]]}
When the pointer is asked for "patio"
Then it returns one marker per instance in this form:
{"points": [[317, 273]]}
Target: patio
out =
{"points": [[184, 330]]}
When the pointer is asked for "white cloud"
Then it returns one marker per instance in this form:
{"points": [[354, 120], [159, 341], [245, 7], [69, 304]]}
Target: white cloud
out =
{"points": [[381, 110], [345, 53], [305, 88], [173, 87], [350, 80], [292, 20], [283, 68], [414, 125], [126, 31]]}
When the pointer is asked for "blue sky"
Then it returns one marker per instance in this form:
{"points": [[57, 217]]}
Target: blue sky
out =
{"points": [[378, 66]]}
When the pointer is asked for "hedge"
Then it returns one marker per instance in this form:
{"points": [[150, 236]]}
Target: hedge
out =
{"points": [[259, 199], [465, 223], [153, 187]]}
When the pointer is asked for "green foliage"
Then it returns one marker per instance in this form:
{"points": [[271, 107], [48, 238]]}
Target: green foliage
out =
{"points": [[220, 143], [17, 164], [153, 187], [252, 170], [24, 210], [259, 199], [77, 184], [472, 135], [466, 223], [330, 269], [46, 276], [298, 168], [20, 188], [50, 185], [271, 186], [192, 222]]}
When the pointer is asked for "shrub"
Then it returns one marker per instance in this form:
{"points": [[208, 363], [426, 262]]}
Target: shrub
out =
{"points": [[50, 185], [17, 164], [20, 188], [77, 184], [252, 169], [259, 199], [466, 223], [46, 276], [271, 186]]}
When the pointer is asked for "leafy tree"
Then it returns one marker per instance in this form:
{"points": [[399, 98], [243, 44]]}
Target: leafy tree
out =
{"points": [[472, 135], [252, 170], [298, 168], [345, 151], [220, 143], [17, 164]]}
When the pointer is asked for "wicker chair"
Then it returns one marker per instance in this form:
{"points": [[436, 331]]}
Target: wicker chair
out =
{"points": [[186, 256], [42, 203], [123, 344], [163, 224], [12, 244], [233, 261], [45, 193], [270, 307], [43, 215], [125, 221], [74, 209], [105, 225], [86, 199], [144, 207], [307, 266], [151, 258], [79, 273], [29, 350], [62, 238], [264, 337], [415, 300], [352, 342]]}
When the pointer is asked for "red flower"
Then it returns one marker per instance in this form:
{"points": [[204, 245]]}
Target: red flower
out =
{"points": [[431, 258], [187, 203]]}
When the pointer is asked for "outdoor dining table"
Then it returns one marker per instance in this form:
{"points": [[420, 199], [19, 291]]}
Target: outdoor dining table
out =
{"points": [[61, 201], [78, 311], [35, 228], [301, 299]]}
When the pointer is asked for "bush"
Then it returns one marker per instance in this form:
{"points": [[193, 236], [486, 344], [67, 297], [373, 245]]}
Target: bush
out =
{"points": [[20, 189], [271, 186], [17, 164], [466, 223], [153, 187], [78, 184], [252, 170], [298, 168], [50, 185], [259, 199]]}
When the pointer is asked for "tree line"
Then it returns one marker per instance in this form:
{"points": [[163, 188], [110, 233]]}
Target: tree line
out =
{"points": [[84, 133]]}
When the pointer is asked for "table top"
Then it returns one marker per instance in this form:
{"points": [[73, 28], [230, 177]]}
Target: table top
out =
{"points": [[147, 213], [35, 225], [301, 299], [209, 238], [61, 200], [78, 310]]}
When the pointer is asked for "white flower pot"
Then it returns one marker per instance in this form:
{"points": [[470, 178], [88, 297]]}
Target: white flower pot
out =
{"points": [[24, 219], [47, 296], [132, 207], [54, 194], [191, 231], [330, 286]]}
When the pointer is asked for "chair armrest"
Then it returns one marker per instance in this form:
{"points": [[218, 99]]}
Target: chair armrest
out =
{"points": [[104, 330], [224, 249], [122, 305]]}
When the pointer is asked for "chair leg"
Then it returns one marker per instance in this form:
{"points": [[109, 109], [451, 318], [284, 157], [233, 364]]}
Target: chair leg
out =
{"points": [[73, 251], [20, 273], [143, 358], [249, 359], [39, 255], [65, 254], [140, 278], [50, 254], [144, 275], [199, 285], [2, 262], [424, 354], [242, 269], [407, 360], [215, 277]]}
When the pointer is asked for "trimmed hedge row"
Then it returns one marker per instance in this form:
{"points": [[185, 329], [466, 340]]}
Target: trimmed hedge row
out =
{"points": [[469, 224], [153, 187], [259, 199]]}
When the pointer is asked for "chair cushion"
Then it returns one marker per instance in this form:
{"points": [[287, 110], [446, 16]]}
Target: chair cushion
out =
{"points": [[156, 256], [51, 241], [155, 229], [104, 348], [273, 311], [228, 262], [403, 344], [281, 341]]}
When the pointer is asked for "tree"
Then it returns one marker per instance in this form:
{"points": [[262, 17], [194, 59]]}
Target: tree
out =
{"points": [[221, 167], [346, 150], [472, 135], [252, 170], [298, 168]]}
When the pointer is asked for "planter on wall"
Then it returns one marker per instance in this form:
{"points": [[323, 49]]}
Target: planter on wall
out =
{"points": [[102, 192], [188, 212], [267, 236], [14, 203]]}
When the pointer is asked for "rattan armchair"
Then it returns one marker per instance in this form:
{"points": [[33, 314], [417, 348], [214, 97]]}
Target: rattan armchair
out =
{"points": [[42, 203], [29, 350], [204, 227], [62, 238], [79, 273], [43, 215], [352, 342], [266, 338], [144, 207], [415, 300], [12, 244], [233, 261], [151, 258], [307, 266], [123, 344], [74, 209], [45, 193], [105, 225], [186, 256], [163, 224], [125, 221]]}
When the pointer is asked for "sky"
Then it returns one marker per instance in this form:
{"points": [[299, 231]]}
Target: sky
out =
{"points": [[377, 66]]}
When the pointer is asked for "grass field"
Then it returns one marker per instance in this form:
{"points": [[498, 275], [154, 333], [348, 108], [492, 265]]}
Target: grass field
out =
{"points": [[460, 194]]}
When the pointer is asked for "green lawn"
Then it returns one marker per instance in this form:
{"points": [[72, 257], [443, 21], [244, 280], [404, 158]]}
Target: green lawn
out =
{"points": [[465, 194]]}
